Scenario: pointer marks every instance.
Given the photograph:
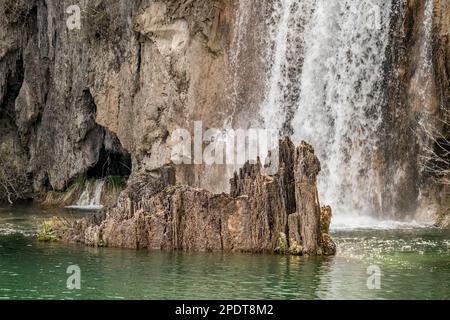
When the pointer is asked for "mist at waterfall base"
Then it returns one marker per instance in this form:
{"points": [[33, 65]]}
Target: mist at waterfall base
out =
{"points": [[414, 265], [325, 86]]}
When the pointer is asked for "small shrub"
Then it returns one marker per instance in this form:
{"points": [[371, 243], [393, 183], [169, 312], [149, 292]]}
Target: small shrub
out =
{"points": [[114, 185], [49, 230], [282, 243], [14, 182], [78, 182], [99, 22], [116, 182], [169, 190], [296, 249]]}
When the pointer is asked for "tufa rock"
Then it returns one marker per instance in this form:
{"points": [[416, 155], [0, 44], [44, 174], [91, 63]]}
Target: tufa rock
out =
{"points": [[325, 219], [156, 213]]}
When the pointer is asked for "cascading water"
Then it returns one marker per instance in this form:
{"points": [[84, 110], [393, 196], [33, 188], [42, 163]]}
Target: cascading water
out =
{"points": [[325, 87], [90, 198], [287, 24], [95, 201]]}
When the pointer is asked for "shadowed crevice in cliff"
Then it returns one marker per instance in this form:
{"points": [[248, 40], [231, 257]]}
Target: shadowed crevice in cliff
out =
{"points": [[14, 179], [14, 81], [113, 159]]}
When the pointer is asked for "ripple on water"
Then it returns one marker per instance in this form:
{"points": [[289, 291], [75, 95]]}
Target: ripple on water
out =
{"points": [[414, 264]]}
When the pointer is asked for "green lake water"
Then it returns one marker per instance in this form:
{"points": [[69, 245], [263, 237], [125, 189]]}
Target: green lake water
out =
{"points": [[414, 264]]}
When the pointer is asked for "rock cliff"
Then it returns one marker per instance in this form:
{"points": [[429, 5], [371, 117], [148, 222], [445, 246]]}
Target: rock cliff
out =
{"points": [[108, 95], [116, 87]]}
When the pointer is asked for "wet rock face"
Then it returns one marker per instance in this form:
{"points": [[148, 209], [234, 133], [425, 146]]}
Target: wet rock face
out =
{"points": [[307, 215], [54, 113], [441, 48], [156, 213], [417, 97]]}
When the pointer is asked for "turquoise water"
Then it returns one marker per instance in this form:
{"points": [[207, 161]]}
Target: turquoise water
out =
{"points": [[414, 264]]}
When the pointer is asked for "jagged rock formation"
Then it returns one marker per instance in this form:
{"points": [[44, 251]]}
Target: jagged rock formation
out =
{"points": [[307, 217], [156, 213]]}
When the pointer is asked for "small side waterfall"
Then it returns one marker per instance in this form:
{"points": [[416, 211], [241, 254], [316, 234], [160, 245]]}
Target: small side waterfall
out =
{"points": [[90, 198], [325, 87]]}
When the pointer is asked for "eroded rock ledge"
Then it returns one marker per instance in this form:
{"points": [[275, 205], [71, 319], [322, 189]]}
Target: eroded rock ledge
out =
{"points": [[279, 213]]}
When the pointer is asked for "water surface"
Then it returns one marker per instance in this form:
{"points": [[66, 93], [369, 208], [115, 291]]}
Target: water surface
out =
{"points": [[414, 262]]}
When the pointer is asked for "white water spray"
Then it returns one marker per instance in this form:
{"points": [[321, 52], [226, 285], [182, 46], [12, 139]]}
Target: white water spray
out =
{"points": [[90, 198], [332, 90]]}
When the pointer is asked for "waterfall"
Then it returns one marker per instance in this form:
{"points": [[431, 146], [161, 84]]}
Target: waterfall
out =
{"points": [[325, 87], [286, 27], [90, 198], [95, 201]]}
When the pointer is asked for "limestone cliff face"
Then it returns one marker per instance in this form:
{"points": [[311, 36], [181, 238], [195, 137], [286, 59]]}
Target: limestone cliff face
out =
{"points": [[155, 212], [134, 72], [54, 113]]}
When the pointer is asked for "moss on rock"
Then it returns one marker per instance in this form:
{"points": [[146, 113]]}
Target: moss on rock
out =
{"points": [[325, 219], [50, 229]]}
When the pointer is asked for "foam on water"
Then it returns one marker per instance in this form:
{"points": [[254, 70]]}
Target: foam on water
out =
{"points": [[9, 229], [346, 222], [90, 198]]}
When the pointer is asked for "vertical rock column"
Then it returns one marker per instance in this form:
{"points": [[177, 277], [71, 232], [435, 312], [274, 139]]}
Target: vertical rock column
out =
{"points": [[304, 225]]}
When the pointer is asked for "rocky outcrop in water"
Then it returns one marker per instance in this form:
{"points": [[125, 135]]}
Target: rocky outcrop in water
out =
{"points": [[156, 213]]}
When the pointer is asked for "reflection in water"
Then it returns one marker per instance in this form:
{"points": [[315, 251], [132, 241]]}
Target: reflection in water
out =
{"points": [[415, 263]]}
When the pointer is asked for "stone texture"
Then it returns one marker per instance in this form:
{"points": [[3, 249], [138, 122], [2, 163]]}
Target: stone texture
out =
{"points": [[136, 70], [441, 49], [306, 169]]}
